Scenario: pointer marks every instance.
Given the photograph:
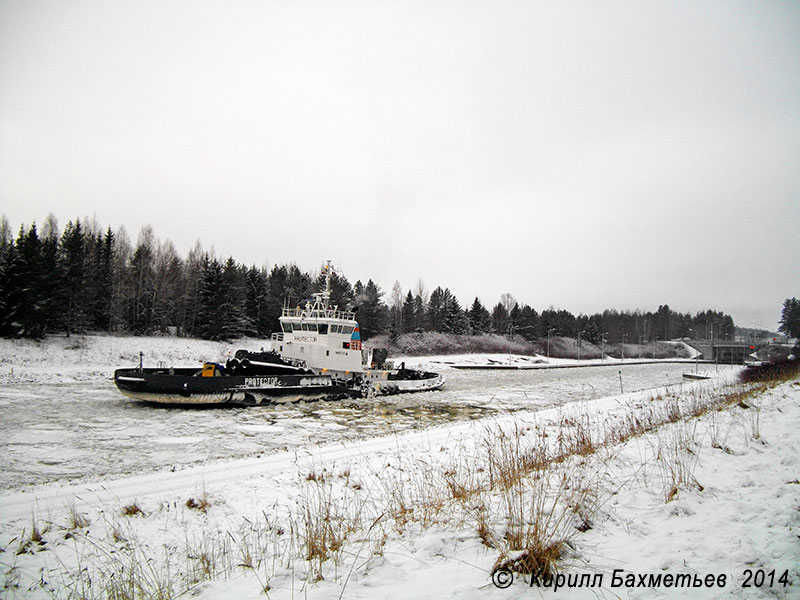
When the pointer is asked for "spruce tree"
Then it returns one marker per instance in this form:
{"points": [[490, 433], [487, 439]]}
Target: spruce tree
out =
{"points": [[257, 291], [234, 320], [12, 283], [435, 310], [141, 277], [500, 319], [372, 313], [480, 321], [409, 320], [210, 301], [31, 312], [453, 318], [73, 268], [790, 318]]}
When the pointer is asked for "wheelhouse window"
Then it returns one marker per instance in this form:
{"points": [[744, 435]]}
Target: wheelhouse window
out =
{"points": [[312, 326], [323, 329], [347, 329], [287, 327]]}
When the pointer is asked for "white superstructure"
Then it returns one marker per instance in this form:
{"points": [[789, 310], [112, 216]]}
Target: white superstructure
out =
{"points": [[327, 340], [321, 336]]}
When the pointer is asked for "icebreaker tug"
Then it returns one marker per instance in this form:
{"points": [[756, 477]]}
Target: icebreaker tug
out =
{"points": [[317, 355]]}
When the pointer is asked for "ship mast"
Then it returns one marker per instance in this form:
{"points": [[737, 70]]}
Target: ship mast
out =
{"points": [[328, 271]]}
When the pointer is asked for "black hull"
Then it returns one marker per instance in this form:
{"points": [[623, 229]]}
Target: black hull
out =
{"points": [[185, 387], [253, 378]]}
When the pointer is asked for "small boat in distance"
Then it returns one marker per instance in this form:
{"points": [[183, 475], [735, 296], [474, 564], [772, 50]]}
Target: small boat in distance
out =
{"points": [[690, 375], [317, 355]]}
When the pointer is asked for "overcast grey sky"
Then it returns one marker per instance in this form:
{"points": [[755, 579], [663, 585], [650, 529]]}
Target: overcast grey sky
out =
{"points": [[585, 155]]}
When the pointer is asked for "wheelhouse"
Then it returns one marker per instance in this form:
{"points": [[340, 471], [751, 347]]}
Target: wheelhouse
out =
{"points": [[322, 336]]}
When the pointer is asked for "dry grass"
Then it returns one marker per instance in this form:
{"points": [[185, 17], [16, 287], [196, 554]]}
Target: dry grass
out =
{"points": [[32, 542], [132, 509], [540, 520], [677, 455], [203, 503], [327, 515], [77, 520]]}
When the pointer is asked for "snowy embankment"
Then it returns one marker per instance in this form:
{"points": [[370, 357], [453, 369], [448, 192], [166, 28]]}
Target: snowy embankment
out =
{"points": [[86, 357], [698, 482], [58, 359], [516, 361]]}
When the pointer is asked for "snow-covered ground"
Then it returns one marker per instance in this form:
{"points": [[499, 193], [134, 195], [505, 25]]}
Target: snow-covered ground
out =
{"points": [[422, 512]]}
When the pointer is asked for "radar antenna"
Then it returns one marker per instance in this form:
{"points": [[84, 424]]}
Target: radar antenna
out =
{"points": [[325, 296]]}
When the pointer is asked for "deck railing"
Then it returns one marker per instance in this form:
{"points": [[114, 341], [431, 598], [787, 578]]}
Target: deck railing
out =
{"points": [[316, 312]]}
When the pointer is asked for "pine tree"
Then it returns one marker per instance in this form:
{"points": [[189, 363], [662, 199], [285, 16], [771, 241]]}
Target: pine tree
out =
{"points": [[31, 312], [235, 322], [105, 276], [513, 319], [372, 313], [210, 301], [790, 318], [408, 318], [288, 286], [256, 296], [419, 313], [527, 324], [73, 260], [591, 333], [480, 321], [98, 276], [190, 304], [663, 322], [298, 286], [168, 286], [500, 319], [276, 286], [12, 275], [453, 318], [121, 284], [562, 322], [435, 310], [141, 276]]}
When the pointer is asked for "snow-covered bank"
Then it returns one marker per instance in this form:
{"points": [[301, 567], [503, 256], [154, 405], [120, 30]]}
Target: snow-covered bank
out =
{"points": [[87, 357], [412, 515], [58, 359], [516, 361]]}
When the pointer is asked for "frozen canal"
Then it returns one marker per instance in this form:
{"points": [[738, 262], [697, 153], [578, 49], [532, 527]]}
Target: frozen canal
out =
{"points": [[86, 430]]}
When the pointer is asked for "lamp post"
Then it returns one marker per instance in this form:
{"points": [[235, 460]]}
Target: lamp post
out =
{"points": [[549, 331], [622, 348]]}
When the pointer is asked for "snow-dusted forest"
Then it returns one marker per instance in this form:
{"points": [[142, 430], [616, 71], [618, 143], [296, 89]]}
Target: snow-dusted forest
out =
{"points": [[90, 278]]}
